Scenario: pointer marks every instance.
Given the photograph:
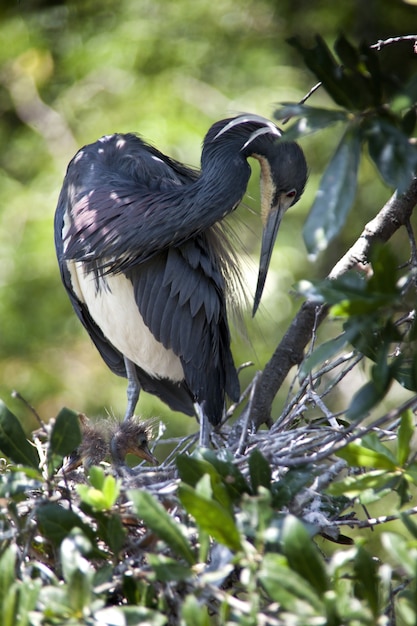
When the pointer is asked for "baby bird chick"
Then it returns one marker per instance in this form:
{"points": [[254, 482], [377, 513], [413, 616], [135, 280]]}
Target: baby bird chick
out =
{"points": [[110, 440], [131, 437]]}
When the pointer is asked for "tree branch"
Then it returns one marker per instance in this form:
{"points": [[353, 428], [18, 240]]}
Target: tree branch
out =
{"points": [[290, 350]]}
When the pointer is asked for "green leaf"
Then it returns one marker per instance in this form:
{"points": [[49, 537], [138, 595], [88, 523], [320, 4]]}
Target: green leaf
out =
{"points": [[7, 572], [193, 613], [311, 119], [111, 530], [211, 517], [361, 456], [410, 525], [393, 154], [168, 570], [286, 586], [161, 523], [322, 63], [260, 471], [103, 493], [401, 552], [295, 479], [335, 195], [408, 122], [129, 616], [364, 400], [373, 442], [191, 470], [303, 556], [324, 352], [375, 481], [233, 478], [367, 581], [13, 442], [66, 433], [56, 523], [405, 433]]}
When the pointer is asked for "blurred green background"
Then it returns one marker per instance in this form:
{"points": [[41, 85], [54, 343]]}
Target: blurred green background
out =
{"points": [[72, 71]]}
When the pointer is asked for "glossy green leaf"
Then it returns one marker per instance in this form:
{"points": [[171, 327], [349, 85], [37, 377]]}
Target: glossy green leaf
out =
{"points": [[13, 442], [373, 442], [161, 523], [289, 485], [401, 552], [410, 524], [361, 456], [213, 518], [364, 400], [367, 580], [66, 433], [311, 119], [303, 556], [354, 486], [233, 478], [322, 353], [393, 154], [7, 571], [411, 473], [56, 523], [111, 530], [260, 471], [405, 433], [347, 53], [100, 498], [167, 569], [335, 195], [323, 64], [191, 470], [408, 122], [286, 586], [194, 613]]}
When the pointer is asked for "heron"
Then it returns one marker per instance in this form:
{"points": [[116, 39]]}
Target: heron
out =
{"points": [[147, 263]]}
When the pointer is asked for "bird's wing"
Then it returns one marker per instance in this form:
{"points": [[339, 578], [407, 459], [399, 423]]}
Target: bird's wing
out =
{"points": [[118, 191], [180, 295], [178, 397]]}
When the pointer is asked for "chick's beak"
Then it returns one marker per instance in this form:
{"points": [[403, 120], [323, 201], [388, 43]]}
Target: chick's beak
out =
{"points": [[269, 236], [143, 452]]}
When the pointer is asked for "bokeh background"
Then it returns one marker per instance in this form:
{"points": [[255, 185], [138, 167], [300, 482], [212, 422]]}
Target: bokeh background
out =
{"points": [[72, 71]]}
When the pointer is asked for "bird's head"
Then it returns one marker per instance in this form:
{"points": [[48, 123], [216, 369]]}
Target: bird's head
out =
{"points": [[132, 437], [283, 174]]}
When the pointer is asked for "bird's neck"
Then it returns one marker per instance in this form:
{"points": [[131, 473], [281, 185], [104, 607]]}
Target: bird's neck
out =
{"points": [[216, 193]]}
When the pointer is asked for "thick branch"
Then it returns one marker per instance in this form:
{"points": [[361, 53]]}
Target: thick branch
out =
{"points": [[290, 351]]}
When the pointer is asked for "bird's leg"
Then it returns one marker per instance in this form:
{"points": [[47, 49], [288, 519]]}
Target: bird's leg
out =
{"points": [[133, 388], [205, 428]]}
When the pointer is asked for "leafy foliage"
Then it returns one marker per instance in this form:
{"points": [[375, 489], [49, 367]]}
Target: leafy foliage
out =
{"points": [[231, 543], [374, 115], [224, 537]]}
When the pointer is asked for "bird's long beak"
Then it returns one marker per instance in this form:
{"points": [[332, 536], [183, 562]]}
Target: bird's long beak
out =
{"points": [[143, 452], [269, 236]]}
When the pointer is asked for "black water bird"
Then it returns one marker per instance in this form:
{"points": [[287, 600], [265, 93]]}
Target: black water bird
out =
{"points": [[146, 263]]}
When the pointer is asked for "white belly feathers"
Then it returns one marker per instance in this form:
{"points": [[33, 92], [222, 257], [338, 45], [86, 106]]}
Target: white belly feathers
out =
{"points": [[114, 310]]}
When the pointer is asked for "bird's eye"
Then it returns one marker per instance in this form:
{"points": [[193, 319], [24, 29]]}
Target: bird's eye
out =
{"points": [[291, 194]]}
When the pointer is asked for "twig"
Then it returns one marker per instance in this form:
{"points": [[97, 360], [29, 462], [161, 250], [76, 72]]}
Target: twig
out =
{"points": [[18, 396], [375, 521], [381, 43], [303, 99]]}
